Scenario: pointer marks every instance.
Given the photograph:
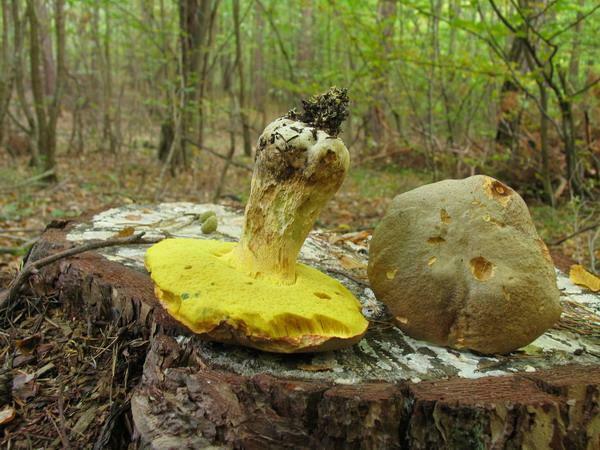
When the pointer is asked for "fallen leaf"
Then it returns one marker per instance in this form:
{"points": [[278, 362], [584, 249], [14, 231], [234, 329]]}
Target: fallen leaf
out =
{"points": [[7, 414], [350, 263], [356, 237], [125, 232], [582, 277], [28, 344]]}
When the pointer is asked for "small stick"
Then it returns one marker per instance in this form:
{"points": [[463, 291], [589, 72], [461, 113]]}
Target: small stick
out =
{"points": [[11, 295], [61, 416], [21, 230], [572, 235]]}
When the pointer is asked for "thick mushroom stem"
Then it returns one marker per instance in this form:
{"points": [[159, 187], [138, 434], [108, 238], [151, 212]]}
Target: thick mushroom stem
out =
{"points": [[297, 169]]}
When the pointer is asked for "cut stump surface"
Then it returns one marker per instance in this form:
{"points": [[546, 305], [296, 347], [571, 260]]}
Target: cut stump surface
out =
{"points": [[388, 391]]}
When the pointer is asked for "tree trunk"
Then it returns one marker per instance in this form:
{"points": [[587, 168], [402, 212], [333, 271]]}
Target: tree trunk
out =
{"points": [[239, 62], [61, 72], [544, 144], [233, 113], [6, 68], [108, 133], [376, 125], [576, 46], [389, 391], [47, 52], [102, 62], [259, 87], [189, 29], [565, 105], [42, 130], [208, 22], [507, 132], [167, 134], [19, 24]]}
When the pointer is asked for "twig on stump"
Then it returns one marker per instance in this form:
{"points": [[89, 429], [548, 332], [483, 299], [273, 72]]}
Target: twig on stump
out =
{"points": [[9, 296]]}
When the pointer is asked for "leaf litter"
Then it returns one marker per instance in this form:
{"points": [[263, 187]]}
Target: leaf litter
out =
{"points": [[65, 382]]}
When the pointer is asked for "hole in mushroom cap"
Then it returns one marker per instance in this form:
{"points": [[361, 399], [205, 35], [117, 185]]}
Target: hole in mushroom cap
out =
{"points": [[436, 240], [481, 268], [444, 216], [323, 295]]}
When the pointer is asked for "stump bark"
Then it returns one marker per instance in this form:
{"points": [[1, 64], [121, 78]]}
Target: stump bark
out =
{"points": [[388, 391]]}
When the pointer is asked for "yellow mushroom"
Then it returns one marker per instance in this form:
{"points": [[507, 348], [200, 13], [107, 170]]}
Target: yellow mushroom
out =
{"points": [[254, 292]]}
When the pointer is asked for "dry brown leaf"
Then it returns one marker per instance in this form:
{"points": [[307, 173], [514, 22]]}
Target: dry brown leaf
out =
{"points": [[582, 277], [360, 236], [28, 344], [350, 263], [7, 414], [356, 237], [125, 232]]}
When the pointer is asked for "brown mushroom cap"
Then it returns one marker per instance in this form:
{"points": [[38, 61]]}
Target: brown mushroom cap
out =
{"points": [[459, 263]]}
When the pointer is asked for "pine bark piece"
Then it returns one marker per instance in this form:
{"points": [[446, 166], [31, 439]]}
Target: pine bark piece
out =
{"points": [[388, 391]]}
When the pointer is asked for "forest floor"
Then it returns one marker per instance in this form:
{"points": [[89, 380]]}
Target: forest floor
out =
{"points": [[96, 181]]}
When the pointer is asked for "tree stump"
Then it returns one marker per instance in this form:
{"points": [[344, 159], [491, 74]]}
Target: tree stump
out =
{"points": [[388, 391]]}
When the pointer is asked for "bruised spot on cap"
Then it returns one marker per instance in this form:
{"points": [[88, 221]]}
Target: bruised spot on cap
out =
{"points": [[436, 240], [481, 268], [444, 216], [498, 191]]}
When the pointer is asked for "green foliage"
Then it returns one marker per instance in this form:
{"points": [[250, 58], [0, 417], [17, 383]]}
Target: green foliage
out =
{"points": [[391, 180]]}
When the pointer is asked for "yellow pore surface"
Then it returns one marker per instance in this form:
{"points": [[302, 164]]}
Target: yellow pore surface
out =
{"points": [[200, 287]]}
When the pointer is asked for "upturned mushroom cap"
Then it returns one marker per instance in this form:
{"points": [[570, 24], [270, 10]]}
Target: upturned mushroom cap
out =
{"points": [[197, 284], [255, 293], [459, 263]]}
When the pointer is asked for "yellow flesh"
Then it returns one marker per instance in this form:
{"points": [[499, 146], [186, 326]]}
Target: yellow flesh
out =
{"points": [[200, 287]]}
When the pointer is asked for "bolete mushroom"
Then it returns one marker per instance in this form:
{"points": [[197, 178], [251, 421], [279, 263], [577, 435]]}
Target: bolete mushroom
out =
{"points": [[459, 263], [254, 292]]}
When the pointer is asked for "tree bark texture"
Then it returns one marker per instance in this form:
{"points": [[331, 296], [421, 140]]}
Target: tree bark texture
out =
{"points": [[388, 391]]}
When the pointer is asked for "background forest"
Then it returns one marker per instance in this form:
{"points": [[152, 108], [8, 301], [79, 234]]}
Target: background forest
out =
{"points": [[106, 102]]}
